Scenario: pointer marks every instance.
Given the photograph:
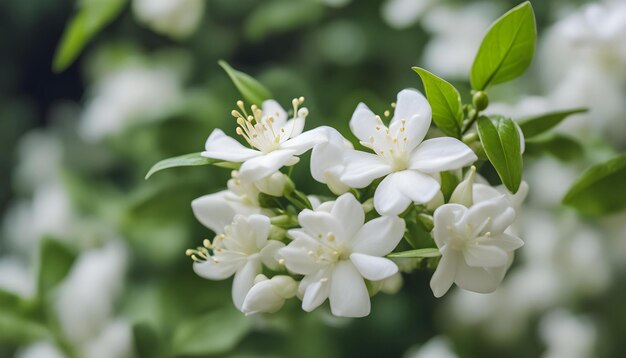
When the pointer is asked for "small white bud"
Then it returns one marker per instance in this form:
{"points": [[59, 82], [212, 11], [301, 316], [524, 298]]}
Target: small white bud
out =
{"points": [[269, 295]]}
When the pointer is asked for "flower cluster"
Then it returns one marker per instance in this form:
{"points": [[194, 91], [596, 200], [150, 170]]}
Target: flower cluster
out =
{"points": [[393, 184]]}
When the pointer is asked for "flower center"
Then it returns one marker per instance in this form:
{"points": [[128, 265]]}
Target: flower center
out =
{"points": [[390, 145], [328, 251], [261, 130]]}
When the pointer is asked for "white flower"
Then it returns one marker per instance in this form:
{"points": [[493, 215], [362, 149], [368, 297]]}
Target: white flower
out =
{"points": [[401, 155], [87, 296], [335, 250], [275, 141], [15, 277], [269, 295], [327, 161], [475, 250], [273, 184], [567, 335], [240, 250], [128, 96], [176, 18], [42, 349]]}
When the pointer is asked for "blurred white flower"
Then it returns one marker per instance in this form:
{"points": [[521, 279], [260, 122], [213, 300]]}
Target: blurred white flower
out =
{"points": [[128, 96], [269, 295], [327, 161], [86, 298], [40, 156], [114, 341], [401, 155], [15, 277], [240, 250], [273, 184], [42, 349], [566, 335], [48, 213], [475, 250], [175, 18], [437, 347], [336, 250], [275, 141], [457, 32], [401, 14]]}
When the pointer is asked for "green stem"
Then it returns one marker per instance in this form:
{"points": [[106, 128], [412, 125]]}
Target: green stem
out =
{"points": [[473, 119]]}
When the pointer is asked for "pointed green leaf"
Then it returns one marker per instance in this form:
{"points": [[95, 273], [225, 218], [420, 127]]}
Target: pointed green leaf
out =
{"points": [[419, 253], [600, 189], [501, 141], [536, 125], [445, 101], [55, 261], [214, 333], [92, 16], [251, 90], [187, 160], [507, 49]]}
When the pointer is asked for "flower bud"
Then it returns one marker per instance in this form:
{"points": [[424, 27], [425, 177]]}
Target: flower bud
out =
{"points": [[269, 295], [273, 185], [480, 100], [463, 193]]}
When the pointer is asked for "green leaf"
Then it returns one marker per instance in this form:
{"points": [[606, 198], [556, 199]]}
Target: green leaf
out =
{"points": [[251, 90], [563, 147], [537, 125], [507, 49], [55, 261], [419, 253], [20, 330], [147, 343], [92, 16], [445, 101], [501, 142], [600, 189], [214, 333], [187, 160], [449, 181]]}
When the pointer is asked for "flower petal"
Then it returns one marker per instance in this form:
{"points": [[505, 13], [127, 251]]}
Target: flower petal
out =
{"points": [[348, 294], [504, 241], [363, 122], [444, 275], [214, 211], [319, 224], [484, 256], [222, 147], [372, 267], [315, 294], [305, 141], [418, 187], [296, 255], [379, 237], [327, 155], [266, 164], [272, 108], [362, 168], [244, 280], [349, 212], [479, 279], [413, 107], [221, 270], [447, 215], [260, 226], [293, 127], [388, 199], [494, 215], [441, 154]]}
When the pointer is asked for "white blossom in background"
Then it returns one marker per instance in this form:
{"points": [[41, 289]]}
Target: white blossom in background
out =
{"points": [[275, 140], [406, 161], [336, 250], [437, 347], [457, 32], [42, 349], [567, 335], [40, 156], [114, 341], [269, 295], [16, 277], [475, 250], [85, 299], [175, 18], [49, 212], [401, 14], [240, 250], [128, 96]]}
